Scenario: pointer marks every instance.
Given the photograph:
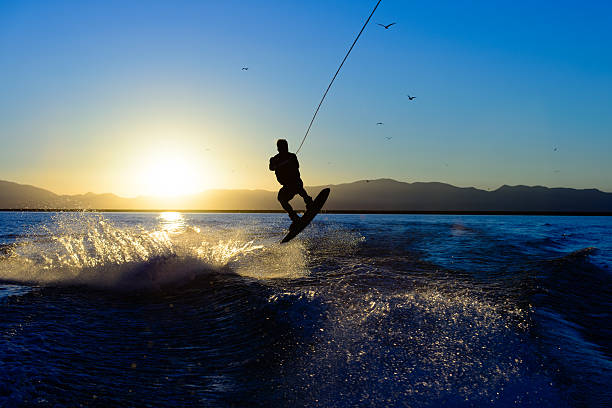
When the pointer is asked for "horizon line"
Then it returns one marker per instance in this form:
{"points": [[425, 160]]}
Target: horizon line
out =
{"points": [[348, 212]]}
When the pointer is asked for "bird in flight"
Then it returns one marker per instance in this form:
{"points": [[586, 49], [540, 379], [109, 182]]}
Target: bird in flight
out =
{"points": [[386, 26], [379, 123], [245, 68], [388, 137], [411, 97], [555, 149]]}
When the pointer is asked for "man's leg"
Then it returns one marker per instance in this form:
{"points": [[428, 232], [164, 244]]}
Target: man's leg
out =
{"points": [[284, 195], [307, 199]]}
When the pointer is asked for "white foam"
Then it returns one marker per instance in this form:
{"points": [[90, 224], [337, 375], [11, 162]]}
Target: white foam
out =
{"points": [[88, 249]]}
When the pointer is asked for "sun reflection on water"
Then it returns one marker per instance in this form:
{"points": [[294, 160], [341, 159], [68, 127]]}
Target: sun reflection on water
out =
{"points": [[171, 222]]}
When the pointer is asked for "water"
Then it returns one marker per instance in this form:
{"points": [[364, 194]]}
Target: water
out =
{"points": [[374, 310]]}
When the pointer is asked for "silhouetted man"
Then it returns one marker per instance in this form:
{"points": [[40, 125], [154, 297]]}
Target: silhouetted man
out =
{"points": [[286, 167]]}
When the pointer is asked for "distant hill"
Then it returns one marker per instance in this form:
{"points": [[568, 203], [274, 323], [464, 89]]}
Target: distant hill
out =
{"points": [[391, 195], [366, 195], [13, 195]]}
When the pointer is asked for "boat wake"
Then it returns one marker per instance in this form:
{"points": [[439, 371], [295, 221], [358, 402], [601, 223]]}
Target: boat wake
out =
{"points": [[88, 249]]}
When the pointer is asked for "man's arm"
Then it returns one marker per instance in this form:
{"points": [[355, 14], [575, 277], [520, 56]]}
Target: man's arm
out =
{"points": [[294, 158], [274, 165]]}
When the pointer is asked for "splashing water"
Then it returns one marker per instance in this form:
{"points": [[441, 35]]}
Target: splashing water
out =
{"points": [[370, 310], [89, 249]]}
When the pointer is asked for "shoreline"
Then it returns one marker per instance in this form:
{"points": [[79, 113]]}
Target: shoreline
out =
{"points": [[354, 212]]}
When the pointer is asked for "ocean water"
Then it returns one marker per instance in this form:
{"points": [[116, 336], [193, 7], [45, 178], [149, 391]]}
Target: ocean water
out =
{"points": [[149, 309]]}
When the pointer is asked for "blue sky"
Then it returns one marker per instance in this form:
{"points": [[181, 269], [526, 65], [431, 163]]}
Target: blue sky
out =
{"points": [[94, 95]]}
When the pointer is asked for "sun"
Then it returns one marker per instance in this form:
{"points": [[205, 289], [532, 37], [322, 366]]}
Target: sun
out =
{"points": [[172, 173]]}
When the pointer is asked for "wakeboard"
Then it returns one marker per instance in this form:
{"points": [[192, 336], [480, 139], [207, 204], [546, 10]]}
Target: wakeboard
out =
{"points": [[299, 225]]}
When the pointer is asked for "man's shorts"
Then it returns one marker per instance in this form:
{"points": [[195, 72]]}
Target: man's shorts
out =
{"points": [[287, 192]]}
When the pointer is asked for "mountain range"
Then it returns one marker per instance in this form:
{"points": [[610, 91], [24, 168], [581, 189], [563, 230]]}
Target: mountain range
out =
{"points": [[384, 195]]}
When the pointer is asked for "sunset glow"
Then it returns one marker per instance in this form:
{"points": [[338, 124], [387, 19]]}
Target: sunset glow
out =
{"points": [[171, 174], [166, 100]]}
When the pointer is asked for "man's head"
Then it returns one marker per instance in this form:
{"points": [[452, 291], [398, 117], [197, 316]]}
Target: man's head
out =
{"points": [[282, 146]]}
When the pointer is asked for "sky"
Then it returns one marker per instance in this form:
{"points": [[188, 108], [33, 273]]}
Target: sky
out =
{"points": [[150, 98]]}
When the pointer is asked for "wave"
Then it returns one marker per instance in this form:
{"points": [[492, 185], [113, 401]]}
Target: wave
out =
{"points": [[582, 253], [351, 321], [572, 319], [88, 249]]}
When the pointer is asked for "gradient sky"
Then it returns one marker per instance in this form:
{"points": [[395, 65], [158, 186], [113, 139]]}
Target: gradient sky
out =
{"points": [[142, 97]]}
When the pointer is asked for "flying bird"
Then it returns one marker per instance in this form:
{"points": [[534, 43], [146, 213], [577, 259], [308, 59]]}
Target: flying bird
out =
{"points": [[245, 68], [388, 137], [386, 26], [379, 123], [411, 97], [555, 149]]}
